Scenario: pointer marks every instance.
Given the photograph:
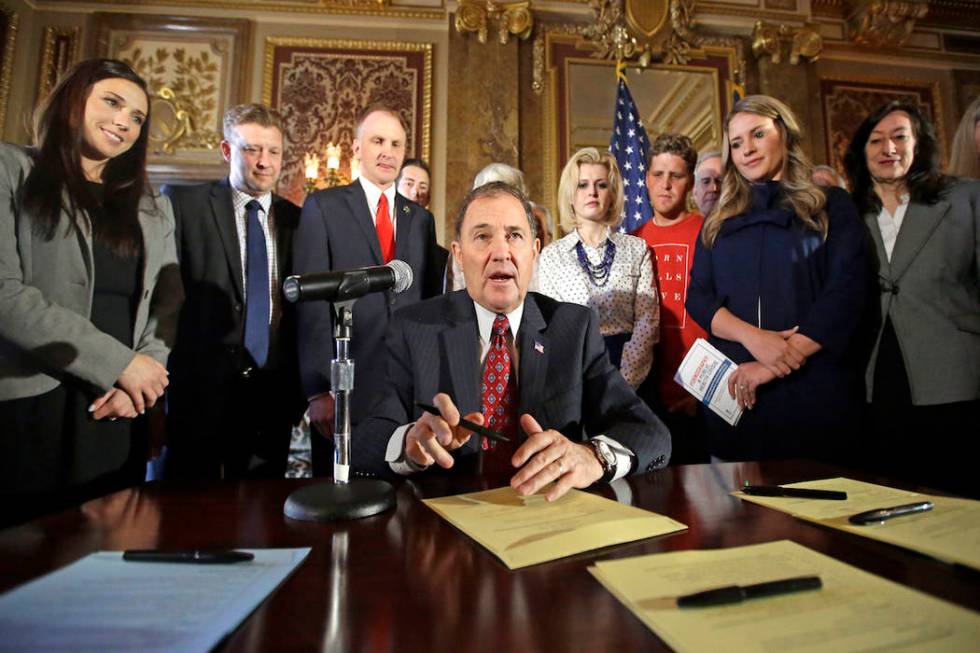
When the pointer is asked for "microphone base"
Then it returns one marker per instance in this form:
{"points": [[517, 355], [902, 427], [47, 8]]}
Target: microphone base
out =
{"points": [[329, 501]]}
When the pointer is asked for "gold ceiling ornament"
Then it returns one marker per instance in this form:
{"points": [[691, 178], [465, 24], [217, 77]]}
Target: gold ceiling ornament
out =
{"points": [[643, 31], [885, 23], [769, 40], [509, 18]]}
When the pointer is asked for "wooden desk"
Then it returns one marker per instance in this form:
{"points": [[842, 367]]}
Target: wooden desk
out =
{"points": [[407, 581]]}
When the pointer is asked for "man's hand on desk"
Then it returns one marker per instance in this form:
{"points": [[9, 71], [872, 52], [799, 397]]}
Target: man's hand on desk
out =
{"points": [[322, 414], [548, 456], [432, 437]]}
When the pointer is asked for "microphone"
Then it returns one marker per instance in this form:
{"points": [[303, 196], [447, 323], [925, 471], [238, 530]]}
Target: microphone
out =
{"points": [[342, 285]]}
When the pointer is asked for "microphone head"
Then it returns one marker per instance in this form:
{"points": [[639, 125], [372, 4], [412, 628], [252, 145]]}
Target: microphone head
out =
{"points": [[403, 275], [291, 289]]}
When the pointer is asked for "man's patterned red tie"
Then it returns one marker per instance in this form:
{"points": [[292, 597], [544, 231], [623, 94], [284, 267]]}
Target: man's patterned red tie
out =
{"points": [[499, 392]]}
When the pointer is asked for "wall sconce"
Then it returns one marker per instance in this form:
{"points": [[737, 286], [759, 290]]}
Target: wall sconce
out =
{"points": [[311, 162], [333, 177]]}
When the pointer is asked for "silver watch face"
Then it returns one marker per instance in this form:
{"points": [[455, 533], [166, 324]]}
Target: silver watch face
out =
{"points": [[605, 454]]}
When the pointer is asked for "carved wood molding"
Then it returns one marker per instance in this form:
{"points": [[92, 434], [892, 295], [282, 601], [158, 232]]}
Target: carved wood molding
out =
{"points": [[643, 31], [509, 18], [885, 23], [774, 41]]}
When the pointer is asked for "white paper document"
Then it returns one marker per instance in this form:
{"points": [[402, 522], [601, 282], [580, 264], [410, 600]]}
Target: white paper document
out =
{"points": [[704, 373], [103, 603]]}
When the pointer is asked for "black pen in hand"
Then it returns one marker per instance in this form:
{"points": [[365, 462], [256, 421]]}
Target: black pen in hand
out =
{"points": [[466, 424]]}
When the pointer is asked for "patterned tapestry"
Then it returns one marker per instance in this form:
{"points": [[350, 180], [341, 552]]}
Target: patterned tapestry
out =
{"points": [[320, 86], [847, 103]]}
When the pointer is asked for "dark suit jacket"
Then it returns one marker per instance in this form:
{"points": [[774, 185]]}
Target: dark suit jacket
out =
{"points": [[209, 352], [565, 379], [336, 232]]}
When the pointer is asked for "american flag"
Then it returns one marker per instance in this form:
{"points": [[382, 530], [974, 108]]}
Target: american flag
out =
{"points": [[630, 145]]}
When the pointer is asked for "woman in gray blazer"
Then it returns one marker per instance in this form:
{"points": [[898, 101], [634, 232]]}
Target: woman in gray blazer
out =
{"points": [[923, 378], [89, 294]]}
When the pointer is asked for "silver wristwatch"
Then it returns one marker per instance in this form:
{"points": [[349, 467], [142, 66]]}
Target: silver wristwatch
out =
{"points": [[606, 458]]}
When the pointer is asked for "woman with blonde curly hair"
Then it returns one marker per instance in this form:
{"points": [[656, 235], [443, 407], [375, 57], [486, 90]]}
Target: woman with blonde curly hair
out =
{"points": [[596, 266], [965, 159], [780, 281]]}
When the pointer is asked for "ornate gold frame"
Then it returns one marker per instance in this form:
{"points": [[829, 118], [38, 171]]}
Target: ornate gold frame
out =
{"points": [[49, 41], [273, 42], [10, 40], [333, 7], [191, 162]]}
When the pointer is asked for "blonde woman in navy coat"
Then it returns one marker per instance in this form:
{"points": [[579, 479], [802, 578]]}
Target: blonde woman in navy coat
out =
{"points": [[779, 281]]}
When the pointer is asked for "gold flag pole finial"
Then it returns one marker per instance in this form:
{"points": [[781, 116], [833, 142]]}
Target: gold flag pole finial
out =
{"points": [[621, 70]]}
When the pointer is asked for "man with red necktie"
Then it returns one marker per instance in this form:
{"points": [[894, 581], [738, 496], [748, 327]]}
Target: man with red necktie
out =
{"points": [[527, 366], [362, 224]]}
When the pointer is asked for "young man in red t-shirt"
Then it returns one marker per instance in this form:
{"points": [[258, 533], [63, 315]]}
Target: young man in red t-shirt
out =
{"points": [[672, 234]]}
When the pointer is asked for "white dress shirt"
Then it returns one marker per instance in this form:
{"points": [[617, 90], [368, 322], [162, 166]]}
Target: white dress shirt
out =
{"points": [[373, 194], [267, 221]]}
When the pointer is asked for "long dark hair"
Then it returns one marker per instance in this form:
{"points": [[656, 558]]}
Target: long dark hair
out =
{"points": [[58, 139], [924, 180]]}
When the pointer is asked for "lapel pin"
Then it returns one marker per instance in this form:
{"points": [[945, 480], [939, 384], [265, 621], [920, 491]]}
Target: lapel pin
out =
{"points": [[404, 209], [538, 347]]}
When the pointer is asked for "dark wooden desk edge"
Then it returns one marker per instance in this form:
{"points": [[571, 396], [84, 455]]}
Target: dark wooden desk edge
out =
{"points": [[214, 514]]}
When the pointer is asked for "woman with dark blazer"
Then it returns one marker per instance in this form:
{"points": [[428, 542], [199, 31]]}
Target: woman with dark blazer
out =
{"points": [[89, 294], [923, 378], [779, 282]]}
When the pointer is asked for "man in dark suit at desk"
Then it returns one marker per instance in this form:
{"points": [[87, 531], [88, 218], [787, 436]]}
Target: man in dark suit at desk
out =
{"points": [[363, 224], [234, 385], [544, 372]]}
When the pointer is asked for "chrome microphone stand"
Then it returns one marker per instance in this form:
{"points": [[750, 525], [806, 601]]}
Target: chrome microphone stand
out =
{"points": [[343, 497]]}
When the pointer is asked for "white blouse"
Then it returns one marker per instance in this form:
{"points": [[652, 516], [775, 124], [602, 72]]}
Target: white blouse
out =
{"points": [[890, 225], [626, 303]]}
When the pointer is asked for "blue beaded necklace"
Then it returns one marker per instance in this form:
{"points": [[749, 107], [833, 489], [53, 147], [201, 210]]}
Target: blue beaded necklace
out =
{"points": [[598, 274]]}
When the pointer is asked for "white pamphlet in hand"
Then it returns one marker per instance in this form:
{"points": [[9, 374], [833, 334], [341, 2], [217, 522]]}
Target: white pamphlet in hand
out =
{"points": [[704, 373]]}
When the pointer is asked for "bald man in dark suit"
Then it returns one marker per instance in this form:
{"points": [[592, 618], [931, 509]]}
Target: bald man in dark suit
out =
{"points": [[363, 224]]}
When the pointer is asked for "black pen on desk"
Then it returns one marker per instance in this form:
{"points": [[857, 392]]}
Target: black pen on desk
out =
{"points": [[192, 556], [879, 515], [795, 492], [739, 593], [466, 424]]}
